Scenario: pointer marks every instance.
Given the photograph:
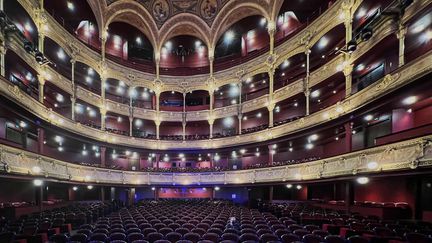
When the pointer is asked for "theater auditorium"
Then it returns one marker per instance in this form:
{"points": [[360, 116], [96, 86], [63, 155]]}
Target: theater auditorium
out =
{"points": [[216, 121]]}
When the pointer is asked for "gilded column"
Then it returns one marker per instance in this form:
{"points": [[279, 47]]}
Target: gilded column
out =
{"points": [[306, 81], [271, 104], [347, 70], [270, 109], [271, 29], [131, 117], [239, 107], [157, 123], [184, 117], [104, 36], [211, 122], [157, 62], [73, 96], [401, 37], [41, 80], [211, 60], [103, 117], [2, 47]]}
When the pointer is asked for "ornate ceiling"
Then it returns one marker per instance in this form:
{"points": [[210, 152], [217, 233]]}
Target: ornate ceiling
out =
{"points": [[161, 20]]}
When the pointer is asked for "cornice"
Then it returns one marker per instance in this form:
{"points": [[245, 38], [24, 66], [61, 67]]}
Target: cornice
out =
{"points": [[402, 156], [397, 79]]}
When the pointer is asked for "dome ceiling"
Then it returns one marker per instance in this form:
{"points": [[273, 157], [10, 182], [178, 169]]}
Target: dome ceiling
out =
{"points": [[162, 10]]}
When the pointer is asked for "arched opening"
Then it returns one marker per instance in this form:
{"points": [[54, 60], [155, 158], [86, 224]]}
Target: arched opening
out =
{"points": [[21, 74], [126, 43], [87, 77], [197, 100], [327, 93], [87, 114], [116, 123], [290, 70], [327, 47], [143, 128], [57, 100], [117, 91], [22, 21], [366, 9], [255, 87], [225, 127], [77, 17], [58, 55], [255, 121], [289, 109], [226, 95], [184, 53], [419, 35], [293, 16], [171, 101], [247, 37], [143, 97]]}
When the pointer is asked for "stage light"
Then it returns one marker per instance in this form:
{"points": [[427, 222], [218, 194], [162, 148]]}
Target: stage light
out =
{"points": [[366, 34], [351, 46]]}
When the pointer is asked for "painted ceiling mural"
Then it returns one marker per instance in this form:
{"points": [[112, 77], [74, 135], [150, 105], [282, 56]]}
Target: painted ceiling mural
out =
{"points": [[162, 10]]}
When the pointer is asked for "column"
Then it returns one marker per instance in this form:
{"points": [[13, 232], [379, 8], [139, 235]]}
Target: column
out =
{"points": [[73, 96], [401, 37], [271, 194], [131, 197], [157, 157], [306, 82], [2, 59], [211, 161], [270, 109], [349, 196], [103, 118], [41, 39], [41, 139], [102, 193], [211, 93], [40, 198], [211, 60], [184, 117], [211, 122], [348, 137], [271, 28], [239, 107], [103, 43], [103, 156], [41, 88], [347, 70], [157, 123], [270, 154], [157, 61], [130, 126], [240, 116]]}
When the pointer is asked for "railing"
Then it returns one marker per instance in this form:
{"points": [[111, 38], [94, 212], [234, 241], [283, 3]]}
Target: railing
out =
{"points": [[403, 156]]}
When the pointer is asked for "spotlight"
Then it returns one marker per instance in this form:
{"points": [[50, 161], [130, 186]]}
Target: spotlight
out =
{"points": [[366, 34], [351, 46], [39, 57], [28, 46]]}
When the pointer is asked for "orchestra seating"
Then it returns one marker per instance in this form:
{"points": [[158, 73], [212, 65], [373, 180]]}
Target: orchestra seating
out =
{"points": [[200, 220]]}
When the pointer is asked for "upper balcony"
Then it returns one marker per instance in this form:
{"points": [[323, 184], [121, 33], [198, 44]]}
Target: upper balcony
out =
{"points": [[230, 99]]}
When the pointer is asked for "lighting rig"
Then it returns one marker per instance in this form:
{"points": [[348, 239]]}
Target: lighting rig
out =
{"points": [[363, 33], [8, 28]]}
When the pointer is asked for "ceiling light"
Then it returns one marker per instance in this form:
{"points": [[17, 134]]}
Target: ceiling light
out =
{"points": [[22, 124], [138, 40], [59, 97], [337, 138], [133, 93], [70, 6], [303, 65], [75, 188], [233, 102], [60, 148], [259, 115], [257, 154], [289, 186], [168, 45], [216, 157], [36, 169], [119, 119], [409, 100], [138, 122], [90, 71], [315, 94], [299, 187], [295, 104], [323, 56], [290, 149], [88, 80], [309, 146], [362, 180], [323, 42], [368, 117], [242, 151], [229, 37], [313, 137], [273, 152], [228, 121], [245, 118], [263, 21], [37, 182], [248, 80], [61, 54], [409, 110], [119, 90], [217, 188], [372, 165], [285, 64], [354, 132], [197, 44], [84, 152], [58, 139], [252, 86], [89, 187]]}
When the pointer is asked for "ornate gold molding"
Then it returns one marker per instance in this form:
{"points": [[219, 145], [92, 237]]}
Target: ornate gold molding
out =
{"points": [[401, 156]]}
